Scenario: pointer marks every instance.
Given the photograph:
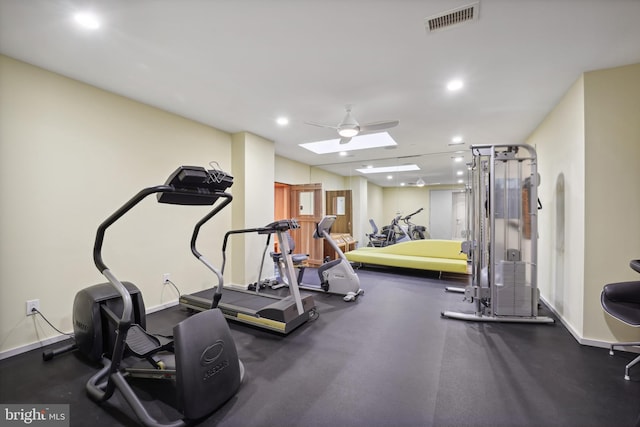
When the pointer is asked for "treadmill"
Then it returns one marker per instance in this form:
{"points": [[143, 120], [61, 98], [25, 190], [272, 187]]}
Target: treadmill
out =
{"points": [[255, 308]]}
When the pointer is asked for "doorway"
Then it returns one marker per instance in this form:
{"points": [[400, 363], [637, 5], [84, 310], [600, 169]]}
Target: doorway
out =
{"points": [[447, 214], [304, 204]]}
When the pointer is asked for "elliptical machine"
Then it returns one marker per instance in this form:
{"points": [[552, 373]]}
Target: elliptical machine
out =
{"points": [[109, 323], [415, 232], [396, 232]]}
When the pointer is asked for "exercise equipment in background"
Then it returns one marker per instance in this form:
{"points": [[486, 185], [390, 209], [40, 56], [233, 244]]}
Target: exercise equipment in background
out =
{"points": [[503, 245], [396, 232], [415, 232], [334, 277], [255, 308], [376, 238]]}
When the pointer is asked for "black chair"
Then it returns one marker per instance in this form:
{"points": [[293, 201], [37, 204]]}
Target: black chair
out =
{"points": [[622, 301]]}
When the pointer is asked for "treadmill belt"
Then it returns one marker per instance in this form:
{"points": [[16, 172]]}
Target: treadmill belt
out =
{"points": [[242, 299], [237, 298]]}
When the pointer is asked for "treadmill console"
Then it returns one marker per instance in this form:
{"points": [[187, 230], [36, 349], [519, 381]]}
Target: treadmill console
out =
{"points": [[195, 185], [280, 225]]}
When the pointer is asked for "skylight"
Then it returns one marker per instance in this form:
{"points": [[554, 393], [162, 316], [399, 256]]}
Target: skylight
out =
{"points": [[360, 142], [388, 169]]}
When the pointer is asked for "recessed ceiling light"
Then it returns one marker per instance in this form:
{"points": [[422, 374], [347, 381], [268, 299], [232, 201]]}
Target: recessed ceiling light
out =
{"points": [[389, 176], [459, 173], [460, 181], [458, 159], [87, 20], [343, 153], [360, 142], [456, 140], [455, 85], [402, 184], [387, 169], [282, 121]]}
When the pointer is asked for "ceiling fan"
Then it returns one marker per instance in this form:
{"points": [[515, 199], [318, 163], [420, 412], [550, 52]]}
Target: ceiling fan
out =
{"points": [[349, 127]]}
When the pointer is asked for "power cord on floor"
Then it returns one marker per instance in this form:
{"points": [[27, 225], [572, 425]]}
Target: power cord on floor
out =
{"points": [[35, 310]]}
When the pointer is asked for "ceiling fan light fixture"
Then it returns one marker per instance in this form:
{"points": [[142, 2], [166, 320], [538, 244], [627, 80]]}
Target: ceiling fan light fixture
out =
{"points": [[348, 131], [87, 20], [349, 127], [420, 182]]}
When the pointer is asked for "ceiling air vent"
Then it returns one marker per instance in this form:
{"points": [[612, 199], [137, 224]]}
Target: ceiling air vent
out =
{"points": [[452, 18]]}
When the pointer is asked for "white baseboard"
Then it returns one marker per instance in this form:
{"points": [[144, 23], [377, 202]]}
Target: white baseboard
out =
{"points": [[581, 340], [33, 346], [159, 307], [236, 286], [58, 338]]}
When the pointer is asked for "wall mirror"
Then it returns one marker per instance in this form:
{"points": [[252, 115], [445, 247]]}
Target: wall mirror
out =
{"points": [[404, 184]]}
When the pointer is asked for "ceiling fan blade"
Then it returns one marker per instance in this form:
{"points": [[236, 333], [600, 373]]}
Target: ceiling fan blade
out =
{"points": [[344, 140], [378, 126], [322, 125]]}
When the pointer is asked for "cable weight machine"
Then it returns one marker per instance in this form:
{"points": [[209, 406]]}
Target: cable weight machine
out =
{"points": [[502, 245]]}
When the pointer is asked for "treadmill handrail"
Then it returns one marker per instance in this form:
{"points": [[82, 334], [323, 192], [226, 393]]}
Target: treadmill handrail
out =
{"points": [[277, 227]]}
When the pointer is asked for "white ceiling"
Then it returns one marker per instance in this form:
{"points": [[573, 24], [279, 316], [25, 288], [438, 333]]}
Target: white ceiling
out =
{"points": [[239, 64]]}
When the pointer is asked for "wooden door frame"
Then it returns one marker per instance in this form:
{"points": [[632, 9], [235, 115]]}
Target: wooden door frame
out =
{"points": [[303, 236], [344, 222]]}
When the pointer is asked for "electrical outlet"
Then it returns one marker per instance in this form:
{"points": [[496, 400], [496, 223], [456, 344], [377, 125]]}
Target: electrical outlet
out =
{"points": [[32, 305], [165, 278]]}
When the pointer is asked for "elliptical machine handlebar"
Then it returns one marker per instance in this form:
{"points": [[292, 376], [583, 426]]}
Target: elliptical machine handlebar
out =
{"points": [[408, 217], [217, 294], [125, 321], [97, 247]]}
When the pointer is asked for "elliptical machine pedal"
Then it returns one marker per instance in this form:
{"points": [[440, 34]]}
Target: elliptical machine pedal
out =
{"points": [[351, 296]]}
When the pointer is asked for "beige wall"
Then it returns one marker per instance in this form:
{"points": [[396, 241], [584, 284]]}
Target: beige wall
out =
{"points": [[70, 155], [330, 181], [592, 139], [559, 141], [291, 172], [612, 237], [404, 201], [253, 207]]}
